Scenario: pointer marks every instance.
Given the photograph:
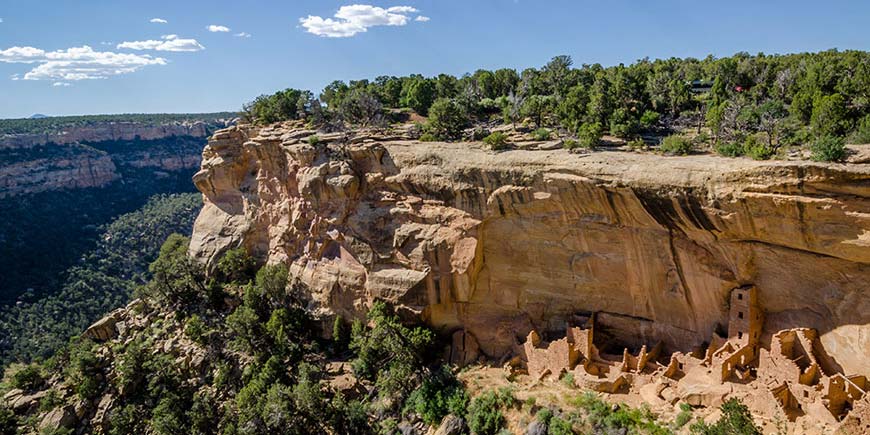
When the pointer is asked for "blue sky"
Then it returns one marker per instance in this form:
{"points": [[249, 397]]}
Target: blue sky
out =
{"points": [[134, 65]]}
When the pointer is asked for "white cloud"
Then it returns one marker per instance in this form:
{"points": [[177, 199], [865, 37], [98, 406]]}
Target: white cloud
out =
{"points": [[353, 19], [159, 21], [167, 43], [214, 28], [243, 35], [422, 19], [77, 63], [61, 84], [22, 55], [1, 20]]}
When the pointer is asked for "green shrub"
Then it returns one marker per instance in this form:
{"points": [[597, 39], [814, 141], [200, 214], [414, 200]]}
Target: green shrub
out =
{"points": [[735, 420], [606, 418], [830, 115], [28, 377], [177, 279], [861, 135], [439, 394], [757, 147], [84, 370], [541, 134], [167, 418], [428, 137], [280, 106], [729, 149], [544, 415], [284, 329], [50, 401], [568, 379], [559, 426], [8, 421], [126, 420], [196, 329], [202, 413], [676, 145], [247, 330], [363, 109], [484, 411], [701, 139], [828, 149], [313, 140], [623, 124], [496, 141], [390, 353], [649, 119], [570, 144], [589, 135], [130, 367], [684, 416], [530, 402], [237, 266], [447, 119], [340, 333]]}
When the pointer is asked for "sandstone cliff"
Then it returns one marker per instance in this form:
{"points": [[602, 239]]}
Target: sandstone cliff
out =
{"points": [[53, 167], [501, 244], [106, 131]]}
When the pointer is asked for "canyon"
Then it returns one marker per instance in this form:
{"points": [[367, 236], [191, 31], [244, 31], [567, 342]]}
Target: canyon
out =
{"points": [[78, 157], [490, 247], [62, 178]]}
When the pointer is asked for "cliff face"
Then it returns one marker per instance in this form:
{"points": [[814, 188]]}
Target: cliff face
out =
{"points": [[106, 131], [75, 165], [500, 244], [71, 170]]}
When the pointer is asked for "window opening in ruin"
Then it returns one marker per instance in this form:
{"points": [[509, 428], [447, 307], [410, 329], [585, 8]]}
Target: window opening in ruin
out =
{"points": [[740, 314]]}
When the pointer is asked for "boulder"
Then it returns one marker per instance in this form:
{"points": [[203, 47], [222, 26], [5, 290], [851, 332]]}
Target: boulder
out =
{"points": [[21, 402], [451, 425], [63, 417], [536, 428], [103, 329]]}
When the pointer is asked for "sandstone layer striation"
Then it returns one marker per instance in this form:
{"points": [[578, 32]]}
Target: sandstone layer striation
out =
{"points": [[496, 245]]}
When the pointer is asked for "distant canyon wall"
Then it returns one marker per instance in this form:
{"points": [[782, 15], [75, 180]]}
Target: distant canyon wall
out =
{"points": [[499, 244], [76, 159], [107, 131]]}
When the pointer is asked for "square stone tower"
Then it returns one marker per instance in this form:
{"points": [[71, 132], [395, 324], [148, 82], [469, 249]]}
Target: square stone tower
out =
{"points": [[746, 318]]}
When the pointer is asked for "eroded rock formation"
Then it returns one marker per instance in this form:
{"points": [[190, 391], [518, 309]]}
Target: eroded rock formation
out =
{"points": [[502, 244]]}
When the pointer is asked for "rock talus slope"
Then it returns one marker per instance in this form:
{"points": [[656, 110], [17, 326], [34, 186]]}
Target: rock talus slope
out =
{"points": [[501, 244]]}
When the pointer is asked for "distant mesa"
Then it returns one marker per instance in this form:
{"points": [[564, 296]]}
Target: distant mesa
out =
{"points": [[38, 116]]}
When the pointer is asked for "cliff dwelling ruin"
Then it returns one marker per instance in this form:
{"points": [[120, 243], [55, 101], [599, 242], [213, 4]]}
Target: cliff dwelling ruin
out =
{"points": [[790, 367]]}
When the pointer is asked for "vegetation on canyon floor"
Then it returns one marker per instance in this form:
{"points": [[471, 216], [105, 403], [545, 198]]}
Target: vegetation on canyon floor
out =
{"points": [[758, 106], [263, 369], [113, 260]]}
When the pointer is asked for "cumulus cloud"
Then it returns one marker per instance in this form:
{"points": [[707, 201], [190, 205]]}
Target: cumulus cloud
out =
{"points": [[61, 84], [159, 21], [422, 19], [166, 43], [77, 63], [214, 28], [353, 19], [243, 35]]}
